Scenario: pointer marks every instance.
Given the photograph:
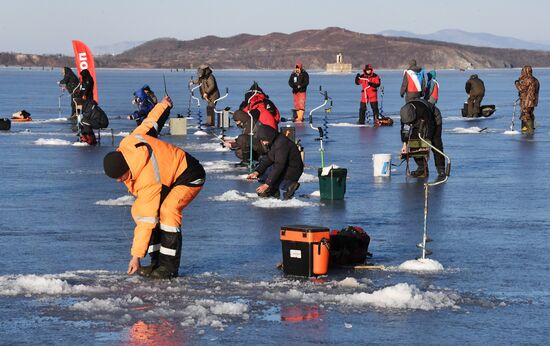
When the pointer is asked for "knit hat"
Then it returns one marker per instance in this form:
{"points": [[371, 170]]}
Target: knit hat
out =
{"points": [[115, 165]]}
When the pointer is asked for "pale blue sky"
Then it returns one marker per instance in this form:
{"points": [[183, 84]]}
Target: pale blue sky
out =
{"points": [[48, 26]]}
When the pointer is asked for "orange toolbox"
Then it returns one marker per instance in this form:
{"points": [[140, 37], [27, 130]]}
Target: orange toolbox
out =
{"points": [[305, 250]]}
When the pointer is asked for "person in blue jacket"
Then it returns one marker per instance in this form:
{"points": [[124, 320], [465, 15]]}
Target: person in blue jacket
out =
{"points": [[144, 105]]}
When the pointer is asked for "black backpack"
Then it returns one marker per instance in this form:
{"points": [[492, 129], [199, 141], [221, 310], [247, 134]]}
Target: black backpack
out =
{"points": [[348, 246]]}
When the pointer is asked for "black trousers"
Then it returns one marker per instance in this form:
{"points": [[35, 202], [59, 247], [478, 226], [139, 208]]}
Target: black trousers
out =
{"points": [[363, 111], [438, 158], [210, 114], [474, 105]]}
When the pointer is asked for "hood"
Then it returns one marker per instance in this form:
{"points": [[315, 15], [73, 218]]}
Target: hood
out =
{"points": [[266, 133], [140, 94], [432, 74], [368, 67], [526, 71], [85, 73], [299, 65], [474, 76], [67, 70], [254, 89], [204, 70], [407, 113], [146, 87], [241, 116], [412, 64]]}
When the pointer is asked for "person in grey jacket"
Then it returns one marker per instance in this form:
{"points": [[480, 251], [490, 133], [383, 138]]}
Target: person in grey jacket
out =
{"points": [[209, 90]]}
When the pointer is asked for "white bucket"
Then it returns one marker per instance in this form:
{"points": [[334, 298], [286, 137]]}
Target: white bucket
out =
{"points": [[381, 165]]}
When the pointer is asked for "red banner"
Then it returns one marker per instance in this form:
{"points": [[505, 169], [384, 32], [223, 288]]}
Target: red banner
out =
{"points": [[85, 60]]}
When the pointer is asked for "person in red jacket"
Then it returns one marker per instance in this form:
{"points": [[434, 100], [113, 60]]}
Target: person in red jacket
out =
{"points": [[369, 82], [258, 104]]}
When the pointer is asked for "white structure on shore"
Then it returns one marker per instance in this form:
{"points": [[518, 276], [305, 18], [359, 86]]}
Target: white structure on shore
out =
{"points": [[339, 66]]}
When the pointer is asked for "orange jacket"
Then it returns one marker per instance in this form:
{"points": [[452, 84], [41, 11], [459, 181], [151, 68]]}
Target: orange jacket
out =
{"points": [[152, 163]]}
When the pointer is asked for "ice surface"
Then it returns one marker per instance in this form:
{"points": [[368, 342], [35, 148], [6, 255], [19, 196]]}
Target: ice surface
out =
{"points": [[421, 265], [474, 129], [308, 178], [200, 133], [121, 201], [122, 134], [236, 196], [215, 146], [315, 193], [13, 285], [52, 120], [349, 282], [510, 132], [348, 125], [234, 176], [52, 141], [220, 166]]}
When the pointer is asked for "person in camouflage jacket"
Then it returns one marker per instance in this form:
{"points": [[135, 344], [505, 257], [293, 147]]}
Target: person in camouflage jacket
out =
{"points": [[528, 89]]}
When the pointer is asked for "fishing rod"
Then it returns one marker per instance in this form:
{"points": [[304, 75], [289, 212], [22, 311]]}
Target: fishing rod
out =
{"points": [[165, 89], [425, 239], [59, 101]]}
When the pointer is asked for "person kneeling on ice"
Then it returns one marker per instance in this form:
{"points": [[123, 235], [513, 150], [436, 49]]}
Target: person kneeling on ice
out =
{"points": [[282, 166], [164, 179], [93, 118], [419, 117], [241, 144]]}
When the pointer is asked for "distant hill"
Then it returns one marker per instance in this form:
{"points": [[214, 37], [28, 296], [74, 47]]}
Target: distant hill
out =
{"points": [[471, 38], [314, 48]]}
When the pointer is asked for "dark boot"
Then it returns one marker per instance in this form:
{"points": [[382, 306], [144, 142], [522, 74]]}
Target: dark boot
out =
{"points": [[441, 174], [162, 273], [289, 193]]}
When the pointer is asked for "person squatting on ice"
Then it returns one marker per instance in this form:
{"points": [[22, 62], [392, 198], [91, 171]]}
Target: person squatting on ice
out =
{"points": [[528, 89], [241, 144], [298, 81], [209, 91], [280, 169], [369, 82], [421, 117], [475, 88], [431, 94], [164, 179], [93, 118], [413, 83], [70, 82]]}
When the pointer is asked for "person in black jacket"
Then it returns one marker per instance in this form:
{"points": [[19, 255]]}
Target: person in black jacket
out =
{"points": [[282, 166], [241, 144], [87, 85], [421, 117], [70, 82], [93, 117], [298, 81], [475, 88]]}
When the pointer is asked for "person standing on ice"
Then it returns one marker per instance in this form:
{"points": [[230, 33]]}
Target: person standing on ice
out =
{"points": [[209, 90], [298, 81], [164, 179], [413, 83], [86, 85], [528, 88], [369, 82], [431, 94], [475, 88], [70, 82], [419, 117], [280, 169]]}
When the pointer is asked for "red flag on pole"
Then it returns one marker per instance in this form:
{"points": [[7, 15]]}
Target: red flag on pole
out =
{"points": [[85, 60]]}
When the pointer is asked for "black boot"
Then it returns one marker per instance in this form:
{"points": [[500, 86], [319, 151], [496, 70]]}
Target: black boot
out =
{"points": [[162, 273], [441, 175], [289, 193]]}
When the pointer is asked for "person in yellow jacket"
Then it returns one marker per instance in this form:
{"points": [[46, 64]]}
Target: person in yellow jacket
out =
{"points": [[164, 179]]}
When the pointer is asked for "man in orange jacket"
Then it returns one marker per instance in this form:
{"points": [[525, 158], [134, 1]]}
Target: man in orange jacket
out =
{"points": [[164, 179]]}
